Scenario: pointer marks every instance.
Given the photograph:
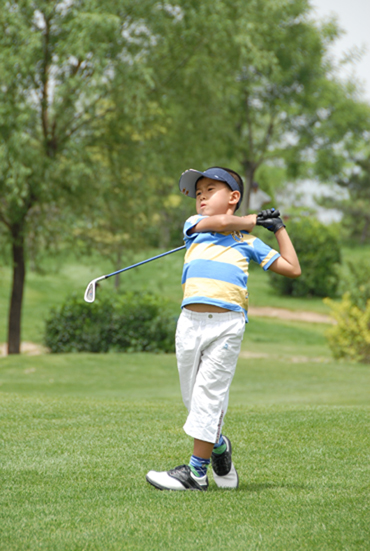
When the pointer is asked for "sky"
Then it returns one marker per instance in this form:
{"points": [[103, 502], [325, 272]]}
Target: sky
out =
{"points": [[354, 18]]}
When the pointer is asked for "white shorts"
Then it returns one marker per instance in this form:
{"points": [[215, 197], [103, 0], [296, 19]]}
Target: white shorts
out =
{"points": [[207, 350]]}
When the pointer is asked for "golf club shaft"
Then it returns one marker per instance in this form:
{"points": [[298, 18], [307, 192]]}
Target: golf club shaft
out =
{"points": [[145, 261]]}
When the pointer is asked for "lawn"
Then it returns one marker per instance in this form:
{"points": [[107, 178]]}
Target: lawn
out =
{"points": [[79, 432]]}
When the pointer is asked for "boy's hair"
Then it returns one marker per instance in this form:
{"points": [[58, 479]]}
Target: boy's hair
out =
{"points": [[236, 177]]}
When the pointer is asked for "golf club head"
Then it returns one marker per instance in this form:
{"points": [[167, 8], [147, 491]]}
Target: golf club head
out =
{"points": [[91, 290]]}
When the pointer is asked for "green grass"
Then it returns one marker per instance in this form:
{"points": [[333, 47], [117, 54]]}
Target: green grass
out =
{"points": [[79, 432]]}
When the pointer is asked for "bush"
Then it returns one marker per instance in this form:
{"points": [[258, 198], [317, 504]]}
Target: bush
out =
{"points": [[357, 283], [318, 251], [350, 338], [131, 323]]}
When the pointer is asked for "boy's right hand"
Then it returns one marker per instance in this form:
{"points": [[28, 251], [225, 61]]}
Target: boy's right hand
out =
{"points": [[250, 220]]}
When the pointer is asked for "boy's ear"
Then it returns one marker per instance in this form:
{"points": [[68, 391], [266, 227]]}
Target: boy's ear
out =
{"points": [[234, 197]]}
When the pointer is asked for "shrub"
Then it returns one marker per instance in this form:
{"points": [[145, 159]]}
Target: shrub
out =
{"points": [[140, 323], [319, 255], [357, 283], [350, 338], [131, 323]]}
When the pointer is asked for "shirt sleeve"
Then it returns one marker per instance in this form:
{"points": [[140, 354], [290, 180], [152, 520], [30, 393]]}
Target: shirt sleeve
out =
{"points": [[190, 223], [263, 254]]}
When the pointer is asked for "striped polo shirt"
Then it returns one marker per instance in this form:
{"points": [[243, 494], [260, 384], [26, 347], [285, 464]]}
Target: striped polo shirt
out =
{"points": [[216, 266]]}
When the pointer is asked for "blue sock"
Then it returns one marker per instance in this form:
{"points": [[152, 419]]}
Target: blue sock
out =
{"points": [[220, 447], [199, 465]]}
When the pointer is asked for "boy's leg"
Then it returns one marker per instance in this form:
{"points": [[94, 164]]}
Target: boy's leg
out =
{"points": [[213, 381], [224, 472], [189, 347], [209, 397], [200, 459], [203, 449], [188, 351], [207, 352]]}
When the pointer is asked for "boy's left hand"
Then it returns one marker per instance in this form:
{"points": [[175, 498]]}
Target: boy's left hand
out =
{"points": [[268, 213], [270, 219]]}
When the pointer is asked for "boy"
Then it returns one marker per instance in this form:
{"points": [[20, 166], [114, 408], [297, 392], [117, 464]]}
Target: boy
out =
{"points": [[214, 312]]}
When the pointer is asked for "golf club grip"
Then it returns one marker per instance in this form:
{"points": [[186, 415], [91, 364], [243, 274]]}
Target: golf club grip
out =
{"points": [[145, 261]]}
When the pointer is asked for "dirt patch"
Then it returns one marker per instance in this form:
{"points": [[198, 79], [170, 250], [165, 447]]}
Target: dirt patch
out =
{"points": [[253, 355], [28, 348], [284, 314], [291, 359], [306, 359]]}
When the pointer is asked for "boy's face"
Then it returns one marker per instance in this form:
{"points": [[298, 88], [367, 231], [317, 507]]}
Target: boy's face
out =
{"points": [[213, 197]]}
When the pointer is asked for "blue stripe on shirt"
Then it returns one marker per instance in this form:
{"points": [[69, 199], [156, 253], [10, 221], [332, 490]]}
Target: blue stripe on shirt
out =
{"points": [[211, 269]]}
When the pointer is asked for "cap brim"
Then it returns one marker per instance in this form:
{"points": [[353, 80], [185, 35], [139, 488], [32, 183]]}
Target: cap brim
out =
{"points": [[188, 182]]}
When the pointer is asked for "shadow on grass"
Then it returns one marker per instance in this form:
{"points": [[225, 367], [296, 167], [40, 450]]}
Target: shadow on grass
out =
{"points": [[262, 486]]}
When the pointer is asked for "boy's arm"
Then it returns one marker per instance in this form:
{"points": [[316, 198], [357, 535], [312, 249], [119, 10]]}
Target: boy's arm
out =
{"points": [[287, 264], [225, 222]]}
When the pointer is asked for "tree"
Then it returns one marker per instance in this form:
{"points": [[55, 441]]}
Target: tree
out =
{"points": [[276, 93], [57, 64], [64, 67], [251, 91], [342, 156]]}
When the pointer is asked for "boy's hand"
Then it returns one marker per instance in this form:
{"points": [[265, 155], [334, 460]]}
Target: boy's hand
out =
{"points": [[250, 221], [270, 219], [268, 213]]}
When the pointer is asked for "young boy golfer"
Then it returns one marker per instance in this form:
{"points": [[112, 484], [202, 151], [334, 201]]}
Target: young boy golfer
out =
{"points": [[214, 312]]}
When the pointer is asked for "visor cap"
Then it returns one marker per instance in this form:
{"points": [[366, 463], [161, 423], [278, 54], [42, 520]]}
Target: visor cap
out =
{"points": [[189, 179]]}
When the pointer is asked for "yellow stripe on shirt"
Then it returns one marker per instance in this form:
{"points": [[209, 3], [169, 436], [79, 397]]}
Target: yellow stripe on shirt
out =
{"points": [[214, 289], [208, 251], [268, 257]]}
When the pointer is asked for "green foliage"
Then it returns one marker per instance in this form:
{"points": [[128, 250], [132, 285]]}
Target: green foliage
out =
{"points": [[357, 283], [350, 338], [341, 136], [102, 105], [277, 71], [319, 254], [131, 323]]}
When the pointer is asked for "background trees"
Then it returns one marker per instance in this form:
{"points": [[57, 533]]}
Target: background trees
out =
{"points": [[102, 106], [343, 157], [58, 65], [275, 90]]}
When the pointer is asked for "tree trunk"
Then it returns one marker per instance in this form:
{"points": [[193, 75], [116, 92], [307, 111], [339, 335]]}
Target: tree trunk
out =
{"points": [[165, 234], [118, 267], [15, 310], [365, 231], [250, 169]]}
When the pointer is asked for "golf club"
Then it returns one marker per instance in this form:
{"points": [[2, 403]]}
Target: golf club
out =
{"points": [[91, 288]]}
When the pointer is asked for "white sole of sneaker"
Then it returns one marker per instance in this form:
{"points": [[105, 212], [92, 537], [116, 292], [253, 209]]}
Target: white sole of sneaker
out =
{"points": [[230, 480]]}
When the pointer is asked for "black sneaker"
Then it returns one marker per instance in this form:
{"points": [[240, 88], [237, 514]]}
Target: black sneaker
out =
{"points": [[180, 478], [224, 472]]}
